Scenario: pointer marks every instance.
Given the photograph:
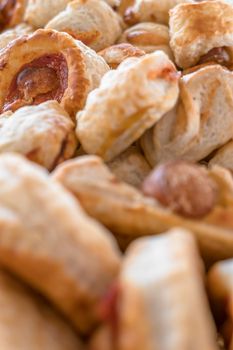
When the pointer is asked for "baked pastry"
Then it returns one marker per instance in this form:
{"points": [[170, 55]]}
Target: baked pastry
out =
{"points": [[88, 21], [223, 156], [57, 249], [148, 37], [27, 322], [114, 55], [207, 212], [124, 5], [200, 123], [202, 32], [11, 34], [48, 65], [43, 133], [128, 102], [11, 13]]}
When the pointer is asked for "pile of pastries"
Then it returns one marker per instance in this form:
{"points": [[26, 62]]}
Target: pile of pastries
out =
{"points": [[116, 175]]}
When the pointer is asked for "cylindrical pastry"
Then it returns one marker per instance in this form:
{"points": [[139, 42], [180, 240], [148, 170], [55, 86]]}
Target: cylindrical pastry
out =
{"points": [[89, 21], [43, 133], [48, 241], [202, 32], [11, 13], [128, 102], [48, 65], [11, 34]]}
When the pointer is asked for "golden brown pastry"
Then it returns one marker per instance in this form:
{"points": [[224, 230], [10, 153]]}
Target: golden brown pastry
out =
{"points": [[129, 101], [48, 65], [11, 34], [27, 322], [48, 241], [11, 13], [223, 156], [202, 32], [124, 5], [89, 21], [43, 133]]}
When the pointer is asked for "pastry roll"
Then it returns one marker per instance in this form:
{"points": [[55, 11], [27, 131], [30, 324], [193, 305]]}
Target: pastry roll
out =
{"points": [[48, 65], [89, 21], [57, 249], [43, 133], [27, 322], [11, 13], [128, 102], [114, 55], [11, 34], [202, 32]]}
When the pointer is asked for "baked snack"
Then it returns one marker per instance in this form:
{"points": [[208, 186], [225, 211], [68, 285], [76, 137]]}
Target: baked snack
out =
{"points": [[88, 21], [223, 156], [128, 102], [11, 34], [202, 32], [57, 249], [43, 133], [48, 65], [11, 13], [124, 5], [27, 322]]}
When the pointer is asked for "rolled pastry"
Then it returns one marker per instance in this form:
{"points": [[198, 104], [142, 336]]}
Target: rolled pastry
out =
{"points": [[89, 21], [11, 13], [202, 32], [27, 322], [11, 34], [128, 102], [43, 133], [48, 65], [57, 249]]}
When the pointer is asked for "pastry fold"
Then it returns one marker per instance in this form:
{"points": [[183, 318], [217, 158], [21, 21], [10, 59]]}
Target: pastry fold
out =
{"points": [[11, 13]]}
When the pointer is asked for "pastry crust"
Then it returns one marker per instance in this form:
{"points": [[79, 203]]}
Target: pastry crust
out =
{"points": [[129, 101], [124, 5], [48, 65], [57, 249], [44, 134], [197, 28], [11, 13], [224, 156], [88, 21], [11, 34]]}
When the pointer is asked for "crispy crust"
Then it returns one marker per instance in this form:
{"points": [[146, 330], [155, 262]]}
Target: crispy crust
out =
{"points": [[18, 13], [11, 34]]}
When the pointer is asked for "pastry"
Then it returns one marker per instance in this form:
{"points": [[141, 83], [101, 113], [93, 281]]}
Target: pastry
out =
{"points": [[13, 33], [223, 156], [129, 101], [202, 32], [88, 21], [27, 322], [124, 5], [48, 65], [11, 13], [57, 249], [43, 133]]}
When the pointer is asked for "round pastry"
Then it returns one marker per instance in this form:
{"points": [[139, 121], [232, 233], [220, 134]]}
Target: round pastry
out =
{"points": [[11, 13], [43, 133], [129, 101], [48, 65], [114, 55], [11, 34], [202, 32]]}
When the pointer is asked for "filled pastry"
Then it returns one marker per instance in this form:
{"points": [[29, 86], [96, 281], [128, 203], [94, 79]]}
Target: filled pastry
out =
{"points": [[129, 101], [48, 65], [11, 13], [27, 322], [89, 21], [43, 133], [11, 34], [202, 32], [57, 249]]}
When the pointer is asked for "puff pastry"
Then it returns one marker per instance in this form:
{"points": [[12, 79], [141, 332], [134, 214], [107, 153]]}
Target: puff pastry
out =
{"points": [[29, 323], [11, 13], [223, 156], [129, 101], [44, 134], [11, 34], [88, 21], [200, 123], [71, 259], [202, 32], [124, 5], [48, 65]]}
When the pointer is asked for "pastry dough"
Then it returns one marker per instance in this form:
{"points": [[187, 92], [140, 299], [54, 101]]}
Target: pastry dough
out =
{"points": [[11, 13], [48, 65], [29, 323], [116, 54], [89, 21], [224, 156], [198, 28], [124, 5], [48, 241], [136, 215], [199, 124], [129, 101], [11, 34], [44, 134]]}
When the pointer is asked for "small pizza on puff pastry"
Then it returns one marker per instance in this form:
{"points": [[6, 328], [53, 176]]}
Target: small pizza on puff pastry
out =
{"points": [[130, 100]]}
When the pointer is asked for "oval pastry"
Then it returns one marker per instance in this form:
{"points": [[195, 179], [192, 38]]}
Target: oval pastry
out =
{"points": [[48, 65], [11, 13]]}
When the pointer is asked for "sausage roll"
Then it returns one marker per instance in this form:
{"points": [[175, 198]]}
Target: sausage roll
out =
{"points": [[202, 32], [128, 102], [27, 322], [89, 21], [11, 13], [57, 249], [11, 34], [44, 134], [48, 65]]}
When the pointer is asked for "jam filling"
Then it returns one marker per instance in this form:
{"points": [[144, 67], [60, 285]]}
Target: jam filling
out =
{"points": [[7, 8], [45, 78]]}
